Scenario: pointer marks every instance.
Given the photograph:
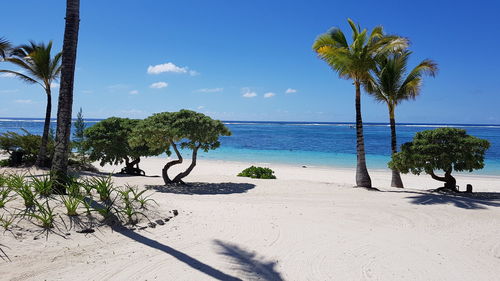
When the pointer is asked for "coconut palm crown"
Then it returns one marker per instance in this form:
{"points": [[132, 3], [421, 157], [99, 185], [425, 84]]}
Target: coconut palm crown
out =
{"points": [[355, 61], [4, 47], [37, 67], [392, 84]]}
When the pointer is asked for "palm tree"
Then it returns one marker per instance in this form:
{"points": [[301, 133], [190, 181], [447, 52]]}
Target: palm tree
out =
{"points": [[65, 106], [39, 67], [391, 85], [4, 47], [355, 61]]}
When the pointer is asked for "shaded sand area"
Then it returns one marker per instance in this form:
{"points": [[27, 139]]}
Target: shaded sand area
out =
{"points": [[309, 224]]}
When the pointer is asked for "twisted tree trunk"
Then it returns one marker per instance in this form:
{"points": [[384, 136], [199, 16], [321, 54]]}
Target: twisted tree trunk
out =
{"points": [[65, 105], [396, 177], [184, 174], [362, 176], [41, 160], [450, 183], [164, 171]]}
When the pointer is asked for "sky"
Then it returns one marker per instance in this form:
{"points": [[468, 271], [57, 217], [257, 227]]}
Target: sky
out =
{"points": [[252, 60]]}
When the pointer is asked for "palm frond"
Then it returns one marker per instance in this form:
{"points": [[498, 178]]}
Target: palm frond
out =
{"points": [[4, 47], [20, 76]]}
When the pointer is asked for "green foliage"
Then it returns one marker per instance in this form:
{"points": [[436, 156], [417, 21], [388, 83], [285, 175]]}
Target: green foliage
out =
{"points": [[42, 185], [103, 186], [44, 214], [444, 149], [257, 173], [187, 128], [5, 196], [78, 134], [71, 203], [356, 60], [108, 142], [23, 149], [391, 84], [7, 221], [23, 189]]}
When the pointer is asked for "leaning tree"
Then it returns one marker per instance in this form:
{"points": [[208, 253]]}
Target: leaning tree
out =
{"points": [[185, 129], [446, 149], [108, 142]]}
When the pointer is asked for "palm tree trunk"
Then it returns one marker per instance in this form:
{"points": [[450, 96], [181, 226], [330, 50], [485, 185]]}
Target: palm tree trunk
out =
{"points": [[65, 106], [41, 160], [396, 177], [362, 176]]}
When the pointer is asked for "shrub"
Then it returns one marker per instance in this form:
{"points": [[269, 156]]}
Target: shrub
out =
{"points": [[23, 189], [23, 149], [257, 173], [42, 185]]}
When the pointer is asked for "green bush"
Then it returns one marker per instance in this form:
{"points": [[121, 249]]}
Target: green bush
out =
{"points": [[23, 149], [257, 173]]}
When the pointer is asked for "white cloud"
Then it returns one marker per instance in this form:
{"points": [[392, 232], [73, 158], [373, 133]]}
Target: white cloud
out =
{"points": [[158, 85], [170, 67], [269, 95], [54, 85], [290, 90], [210, 90], [134, 92], [247, 93], [24, 101], [201, 107]]}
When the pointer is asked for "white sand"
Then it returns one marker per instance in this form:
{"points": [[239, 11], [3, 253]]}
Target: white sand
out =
{"points": [[309, 224]]}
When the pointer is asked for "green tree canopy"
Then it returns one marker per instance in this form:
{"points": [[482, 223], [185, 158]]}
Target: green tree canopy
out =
{"points": [[446, 149], [108, 142], [168, 131]]}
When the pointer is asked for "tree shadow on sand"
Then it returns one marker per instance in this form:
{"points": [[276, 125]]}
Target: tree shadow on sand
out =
{"points": [[476, 200], [203, 188], [248, 263], [180, 256]]}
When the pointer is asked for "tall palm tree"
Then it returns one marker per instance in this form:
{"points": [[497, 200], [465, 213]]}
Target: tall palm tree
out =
{"points": [[355, 61], [4, 47], [65, 106], [39, 67], [391, 85]]}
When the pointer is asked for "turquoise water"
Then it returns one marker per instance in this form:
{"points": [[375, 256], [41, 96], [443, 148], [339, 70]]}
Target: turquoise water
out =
{"points": [[310, 143]]}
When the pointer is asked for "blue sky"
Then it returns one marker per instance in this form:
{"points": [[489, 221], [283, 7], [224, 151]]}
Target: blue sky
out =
{"points": [[252, 60]]}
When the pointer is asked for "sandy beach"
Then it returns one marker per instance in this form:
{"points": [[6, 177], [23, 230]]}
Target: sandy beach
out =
{"points": [[309, 224]]}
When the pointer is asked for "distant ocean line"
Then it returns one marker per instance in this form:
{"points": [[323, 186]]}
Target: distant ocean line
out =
{"points": [[309, 143]]}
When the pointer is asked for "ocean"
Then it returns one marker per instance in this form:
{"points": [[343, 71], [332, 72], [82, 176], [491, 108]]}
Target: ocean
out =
{"points": [[309, 143]]}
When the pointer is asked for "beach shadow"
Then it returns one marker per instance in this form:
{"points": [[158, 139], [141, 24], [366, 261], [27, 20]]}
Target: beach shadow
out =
{"points": [[247, 263], [203, 188], [180, 256], [479, 200], [476, 200]]}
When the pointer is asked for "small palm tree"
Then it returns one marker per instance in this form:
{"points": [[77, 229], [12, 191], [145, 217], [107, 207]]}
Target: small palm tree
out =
{"points": [[4, 47], [39, 67], [391, 85], [355, 61]]}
